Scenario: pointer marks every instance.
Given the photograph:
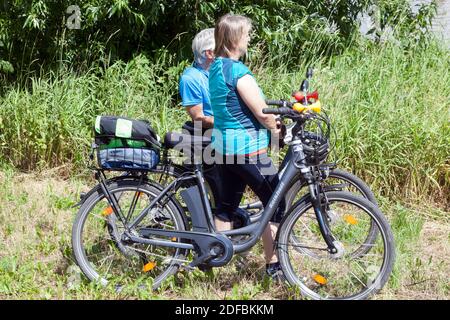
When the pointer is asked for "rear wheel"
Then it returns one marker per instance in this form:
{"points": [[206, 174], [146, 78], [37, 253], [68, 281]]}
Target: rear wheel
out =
{"points": [[97, 236]]}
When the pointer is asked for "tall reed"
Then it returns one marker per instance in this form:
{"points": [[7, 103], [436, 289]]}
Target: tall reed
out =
{"points": [[390, 109]]}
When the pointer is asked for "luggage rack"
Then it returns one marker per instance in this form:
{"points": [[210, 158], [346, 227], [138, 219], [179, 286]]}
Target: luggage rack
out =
{"points": [[119, 154]]}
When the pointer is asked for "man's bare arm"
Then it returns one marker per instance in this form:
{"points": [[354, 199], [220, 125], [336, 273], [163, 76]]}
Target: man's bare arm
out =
{"points": [[196, 113]]}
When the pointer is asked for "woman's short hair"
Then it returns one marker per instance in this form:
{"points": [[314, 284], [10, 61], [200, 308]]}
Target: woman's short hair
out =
{"points": [[229, 31], [204, 40]]}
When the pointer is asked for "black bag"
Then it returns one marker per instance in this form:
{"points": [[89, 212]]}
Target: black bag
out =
{"points": [[125, 144], [125, 128]]}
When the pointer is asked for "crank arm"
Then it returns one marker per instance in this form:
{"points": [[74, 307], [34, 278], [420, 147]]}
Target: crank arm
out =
{"points": [[203, 243]]}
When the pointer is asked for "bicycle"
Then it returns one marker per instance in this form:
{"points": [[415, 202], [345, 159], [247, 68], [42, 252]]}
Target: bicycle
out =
{"points": [[139, 227], [336, 179]]}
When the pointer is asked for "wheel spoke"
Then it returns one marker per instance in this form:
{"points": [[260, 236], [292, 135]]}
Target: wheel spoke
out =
{"points": [[351, 272], [106, 254]]}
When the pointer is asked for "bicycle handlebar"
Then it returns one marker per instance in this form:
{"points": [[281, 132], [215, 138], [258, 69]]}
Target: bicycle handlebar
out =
{"points": [[282, 110], [279, 103], [290, 108]]}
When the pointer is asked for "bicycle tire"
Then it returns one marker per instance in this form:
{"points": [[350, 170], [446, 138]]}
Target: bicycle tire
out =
{"points": [[345, 176], [97, 196], [297, 212]]}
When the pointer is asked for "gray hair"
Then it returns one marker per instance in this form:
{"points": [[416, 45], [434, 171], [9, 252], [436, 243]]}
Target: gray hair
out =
{"points": [[204, 40]]}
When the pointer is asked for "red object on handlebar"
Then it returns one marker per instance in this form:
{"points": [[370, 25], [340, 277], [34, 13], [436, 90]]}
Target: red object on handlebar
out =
{"points": [[300, 97]]}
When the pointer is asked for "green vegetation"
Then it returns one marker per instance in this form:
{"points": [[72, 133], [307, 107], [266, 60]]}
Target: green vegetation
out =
{"points": [[36, 256], [388, 100], [389, 108], [36, 35]]}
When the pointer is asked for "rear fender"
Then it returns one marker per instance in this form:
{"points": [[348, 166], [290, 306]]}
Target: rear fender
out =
{"points": [[84, 196]]}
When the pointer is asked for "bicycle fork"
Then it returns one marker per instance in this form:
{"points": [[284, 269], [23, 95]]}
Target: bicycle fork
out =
{"points": [[316, 200], [321, 216]]}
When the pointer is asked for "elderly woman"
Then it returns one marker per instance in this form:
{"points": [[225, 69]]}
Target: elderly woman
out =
{"points": [[194, 91], [241, 130], [193, 84]]}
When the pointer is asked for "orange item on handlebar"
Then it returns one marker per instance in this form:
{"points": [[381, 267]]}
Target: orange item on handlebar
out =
{"points": [[315, 107], [300, 97]]}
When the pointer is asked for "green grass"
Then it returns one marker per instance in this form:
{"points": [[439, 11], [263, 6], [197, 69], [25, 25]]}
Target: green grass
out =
{"points": [[391, 111], [36, 257], [390, 108]]}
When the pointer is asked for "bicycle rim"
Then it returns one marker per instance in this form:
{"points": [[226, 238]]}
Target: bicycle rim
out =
{"points": [[104, 258]]}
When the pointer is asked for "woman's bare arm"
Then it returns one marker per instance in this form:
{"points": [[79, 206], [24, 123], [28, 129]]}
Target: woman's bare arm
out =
{"points": [[249, 91]]}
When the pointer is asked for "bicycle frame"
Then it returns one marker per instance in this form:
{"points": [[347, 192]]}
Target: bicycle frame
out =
{"points": [[294, 165]]}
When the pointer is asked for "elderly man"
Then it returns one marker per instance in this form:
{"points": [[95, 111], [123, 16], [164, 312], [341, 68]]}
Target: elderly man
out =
{"points": [[194, 91], [193, 86]]}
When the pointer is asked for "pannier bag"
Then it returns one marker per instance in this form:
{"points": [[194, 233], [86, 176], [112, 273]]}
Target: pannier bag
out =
{"points": [[125, 144]]}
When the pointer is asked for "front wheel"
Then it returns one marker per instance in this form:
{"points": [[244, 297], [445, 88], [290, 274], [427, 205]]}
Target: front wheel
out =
{"points": [[338, 180], [349, 274]]}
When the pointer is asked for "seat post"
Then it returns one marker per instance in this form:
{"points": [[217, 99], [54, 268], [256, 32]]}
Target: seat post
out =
{"points": [[198, 170]]}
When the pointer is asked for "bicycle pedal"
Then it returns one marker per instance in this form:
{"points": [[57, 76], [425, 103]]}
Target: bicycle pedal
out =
{"points": [[204, 267]]}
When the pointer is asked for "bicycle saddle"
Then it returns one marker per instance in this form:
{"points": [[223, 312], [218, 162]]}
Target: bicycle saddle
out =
{"points": [[181, 140], [189, 126]]}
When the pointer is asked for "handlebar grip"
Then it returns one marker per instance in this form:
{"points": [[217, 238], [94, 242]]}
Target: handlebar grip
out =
{"points": [[269, 110], [279, 103], [275, 103], [283, 110]]}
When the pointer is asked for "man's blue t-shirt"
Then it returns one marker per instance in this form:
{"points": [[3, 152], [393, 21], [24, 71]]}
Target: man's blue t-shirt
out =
{"points": [[236, 129], [194, 88]]}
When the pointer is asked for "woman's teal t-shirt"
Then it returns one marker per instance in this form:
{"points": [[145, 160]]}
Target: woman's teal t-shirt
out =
{"points": [[236, 129]]}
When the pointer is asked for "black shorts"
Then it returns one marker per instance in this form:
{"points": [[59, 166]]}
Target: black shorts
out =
{"points": [[258, 172]]}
